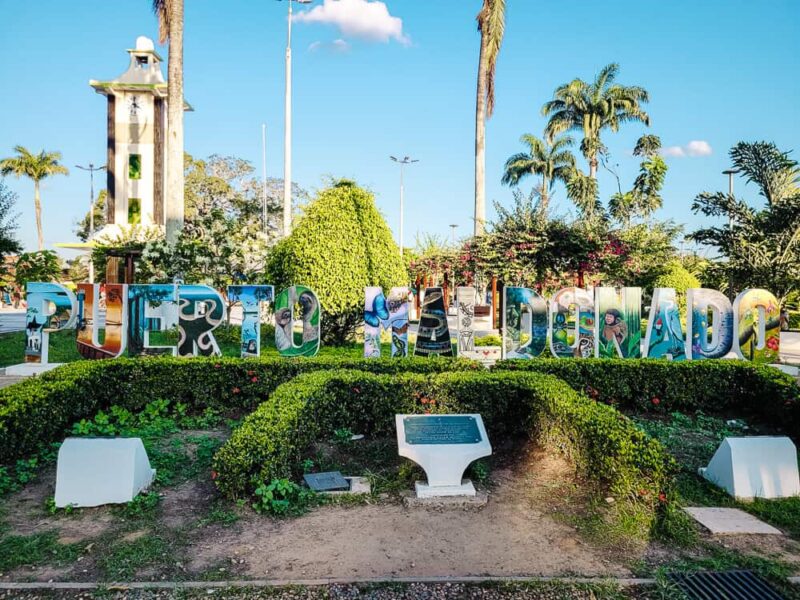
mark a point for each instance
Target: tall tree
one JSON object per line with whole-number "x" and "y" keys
{"x": 761, "y": 245}
{"x": 593, "y": 107}
{"x": 491, "y": 25}
{"x": 645, "y": 197}
{"x": 170, "y": 27}
{"x": 35, "y": 167}
{"x": 552, "y": 161}
{"x": 8, "y": 226}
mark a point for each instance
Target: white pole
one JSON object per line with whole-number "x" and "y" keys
{"x": 264, "y": 172}
{"x": 91, "y": 219}
{"x": 287, "y": 141}
{"x": 401, "y": 209}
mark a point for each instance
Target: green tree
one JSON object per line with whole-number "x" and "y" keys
{"x": 8, "y": 225}
{"x": 677, "y": 277}
{"x": 37, "y": 266}
{"x": 35, "y": 167}
{"x": 491, "y": 25}
{"x": 593, "y": 107}
{"x": 170, "y": 27}
{"x": 340, "y": 245}
{"x": 99, "y": 209}
{"x": 645, "y": 196}
{"x": 552, "y": 161}
{"x": 760, "y": 246}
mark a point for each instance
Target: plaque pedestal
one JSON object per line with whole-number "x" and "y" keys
{"x": 444, "y": 446}
{"x": 428, "y": 491}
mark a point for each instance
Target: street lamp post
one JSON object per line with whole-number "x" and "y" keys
{"x": 91, "y": 168}
{"x": 453, "y": 233}
{"x": 287, "y": 134}
{"x": 406, "y": 160}
{"x": 730, "y": 173}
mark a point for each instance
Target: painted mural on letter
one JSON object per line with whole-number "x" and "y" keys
{"x": 251, "y": 298}
{"x": 200, "y": 310}
{"x": 757, "y": 315}
{"x": 665, "y": 337}
{"x": 297, "y": 343}
{"x": 151, "y": 308}
{"x": 465, "y": 298}
{"x": 379, "y": 314}
{"x": 619, "y": 321}
{"x": 700, "y": 302}
{"x": 433, "y": 334}
{"x": 572, "y": 337}
{"x": 92, "y": 299}
{"x": 524, "y": 323}
{"x": 41, "y": 321}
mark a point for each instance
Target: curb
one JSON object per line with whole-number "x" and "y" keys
{"x": 269, "y": 583}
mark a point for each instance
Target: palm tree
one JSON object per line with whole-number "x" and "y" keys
{"x": 553, "y": 161}
{"x": 36, "y": 167}
{"x": 491, "y": 25}
{"x": 592, "y": 107}
{"x": 170, "y": 27}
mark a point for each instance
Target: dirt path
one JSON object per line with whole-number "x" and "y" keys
{"x": 512, "y": 535}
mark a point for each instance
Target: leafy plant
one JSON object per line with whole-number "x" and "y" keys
{"x": 281, "y": 497}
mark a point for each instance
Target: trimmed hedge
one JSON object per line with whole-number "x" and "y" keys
{"x": 40, "y": 409}
{"x": 606, "y": 447}
{"x": 660, "y": 385}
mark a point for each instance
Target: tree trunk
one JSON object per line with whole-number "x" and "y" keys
{"x": 174, "y": 196}
{"x": 545, "y": 199}
{"x": 37, "y": 207}
{"x": 480, "y": 142}
{"x": 593, "y": 167}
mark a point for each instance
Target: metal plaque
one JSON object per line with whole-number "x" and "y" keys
{"x": 441, "y": 429}
{"x": 325, "y": 482}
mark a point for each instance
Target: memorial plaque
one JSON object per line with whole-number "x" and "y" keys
{"x": 444, "y": 446}
{"x": 441, "y": 429}
{"x": 324, "y": 482}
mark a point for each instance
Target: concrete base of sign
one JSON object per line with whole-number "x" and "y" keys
{"x": 426, "y": 491}
{"x": 476, "y": 502}
{"x": 486, "y": 355}
{"x": 96, "y": 471}
{"x": 358, "y": 485}
{"x": 789, "y": 369}
{"x": 755, "y": 467}
{"x": 730, "y": 521}
{"x": 30, "y": 369}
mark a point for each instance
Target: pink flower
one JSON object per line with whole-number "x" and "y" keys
{"x": 656, "y": 401}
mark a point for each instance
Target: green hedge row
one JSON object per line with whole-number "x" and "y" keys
{"x": 709, "y": 385}
{"x": 606, "y": 447}
{"x": 39, "y": 410}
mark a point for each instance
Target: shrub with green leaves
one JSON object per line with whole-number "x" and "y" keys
{"x": 340, "y": 246}
{"x": 687, "y": 386}
{"x": 614, "y": 455}
{"x": 677, "y": 277}
{"x": 41, "y": 409}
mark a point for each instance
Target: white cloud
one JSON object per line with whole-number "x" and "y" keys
{"x": 692, "y": 149}
{"x": 339, "y": 45}
{"x": 365, "y": 19}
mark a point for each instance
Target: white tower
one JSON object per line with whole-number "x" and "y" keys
{"x": 137, "y": 129}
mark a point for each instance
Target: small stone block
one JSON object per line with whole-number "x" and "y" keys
{"x": 97, "y": 471}
{"x": 326, "y": 482}
{"x": 357, "y": 485}
{"x": 730, "y": 521}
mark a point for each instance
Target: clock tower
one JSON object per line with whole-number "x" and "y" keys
{"x": 137, "y": 133}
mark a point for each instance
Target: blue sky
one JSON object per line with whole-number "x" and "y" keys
{"x": 368, "y": 85}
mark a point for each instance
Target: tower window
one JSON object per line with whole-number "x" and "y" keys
{"x": 134, "y": 166}
{"x": 134, "y": 211}
{"x": 142, "y": 62}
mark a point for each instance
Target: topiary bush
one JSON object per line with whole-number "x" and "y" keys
{"x": 39, "y": 410}
{"x": 605, "y": 446}
{"x": 676, "y": 276}
{"x": 687, "y": 386}
{"x": 340, "y": 246}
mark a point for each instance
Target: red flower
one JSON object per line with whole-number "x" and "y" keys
{"x": 773, "y": 344}
{"x": 236, "y": 390}
{"x": 662, "y": 497}
{"x": 251, "y": 373}
{"x": 217, "y": 365}
{"x": 656, "y": 401}
{"x": 254, "y": 380}
{"x": 642, "y": 493}
{"x": 214, "y": 475}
